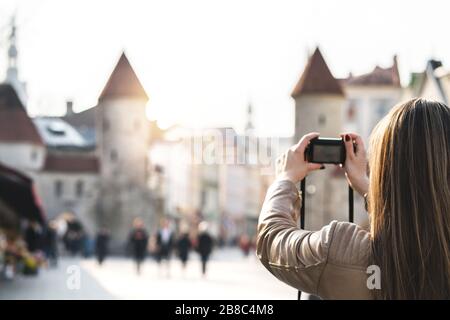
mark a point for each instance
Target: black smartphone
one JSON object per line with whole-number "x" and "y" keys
{"x": 326, "y": 150}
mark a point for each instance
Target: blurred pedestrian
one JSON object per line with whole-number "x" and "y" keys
{"x": 34, "y": 237}
{"x": 88, "y": 244}
{"x": 102, "y": 245}
{"x": 245, "y": 244}
{"x": 137, "y": 242}
{"x": 50, "y": 245}
{"x": 204, "y": 244}
{"x": 164, "y": 245}
{"x": 183, "y": 245}
{"x": 74, "y": 236}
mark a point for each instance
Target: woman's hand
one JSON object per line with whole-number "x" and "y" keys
{"x": 292, "y": 165}
{"x": 356, "y": 163}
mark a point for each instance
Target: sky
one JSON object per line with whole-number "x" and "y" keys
{"x": 203, "y": 61}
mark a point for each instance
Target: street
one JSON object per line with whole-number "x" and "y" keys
{"x": 230, "y": 276}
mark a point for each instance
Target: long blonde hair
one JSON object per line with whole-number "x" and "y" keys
{"x": 409, "y": 201}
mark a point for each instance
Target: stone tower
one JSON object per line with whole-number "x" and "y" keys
{"x": 123, "y": 136}
{"x": 319, "y": 102}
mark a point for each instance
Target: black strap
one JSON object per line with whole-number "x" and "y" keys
{"x": 302, "y": 209}
{"x": 302, "y": 218}
{"x": 350, "y": 204}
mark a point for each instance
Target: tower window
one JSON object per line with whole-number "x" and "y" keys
{"x": 58, "y": 188}
{"x": 322, "y": 119}
{"x": 79, "y": 188}
{"x": 113, "y": 155}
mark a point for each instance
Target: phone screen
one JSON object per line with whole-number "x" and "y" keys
{"x": 327, "y": 153}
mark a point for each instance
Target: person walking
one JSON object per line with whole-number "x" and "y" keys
{"x": 74, "y": 235}
{"x": 245, "y": 244}
{"x": 183, "y": 246}
{"x": 137, "y": 243}
{"x": 164, "y": 245}
{"x": 102, "y": 245}
{"x": 34, "y": 237}
{"x": 51, "y": 243}
{"x": 204, "y": 245}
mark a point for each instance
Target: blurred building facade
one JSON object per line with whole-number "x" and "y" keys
{"x": 208, "y": 175}
{"x": 52, "y": 153}
{"x": 69, "y": 178}
{"x": 120, "y": 133}
{"x": 432, "y": 83}
{"x": 369, "y": 97}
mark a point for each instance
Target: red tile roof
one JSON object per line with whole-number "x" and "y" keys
{"x": 317, "y": 78}
{"x": 378, "y": 77}
{"x": 123, "y": 82}
{"x": 71, "y": 163}
{"x": 15, "y": 124}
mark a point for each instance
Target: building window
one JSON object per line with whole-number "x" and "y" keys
{"x": 322, "y": 120}
{"x": 113, "y": 155}
{"x": 79, "y": 188}
{"x": 58, "y": 188}
{"x": 34, "y": 155}
{"x": 381, "y": 108}
{"x": 351, "y": 110}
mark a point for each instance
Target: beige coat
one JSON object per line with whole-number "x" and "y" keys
{"x": 330, "y": 263}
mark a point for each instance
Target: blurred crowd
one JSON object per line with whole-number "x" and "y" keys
{"x": 39, "y": 245}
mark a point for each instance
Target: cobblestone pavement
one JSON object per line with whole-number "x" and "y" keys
{"x": 230, "y": 276}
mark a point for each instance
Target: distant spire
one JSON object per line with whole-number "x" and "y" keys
{"x": 249, "y": 125}
{"x": 395, "y": 71}
{"x": 12, "y": 72}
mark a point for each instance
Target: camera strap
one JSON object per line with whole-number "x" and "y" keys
{"x": 302, "y": 211}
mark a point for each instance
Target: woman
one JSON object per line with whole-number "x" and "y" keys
{"x": 408, "y": 198}
{"x": 102, "y": 245}
{"x": 205, "y": 244}
{"x": 183, "y": 247}
{"x": 137, "y": 242}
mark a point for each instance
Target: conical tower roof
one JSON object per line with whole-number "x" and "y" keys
{"x": 317, "y": 78}
{"x": 123, "y": 82}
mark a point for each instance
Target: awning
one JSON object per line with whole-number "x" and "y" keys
{"x": 17, "y": 192}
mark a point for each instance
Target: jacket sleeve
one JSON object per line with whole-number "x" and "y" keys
{"x": 296, "y": 257}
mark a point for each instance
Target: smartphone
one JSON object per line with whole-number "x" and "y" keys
{"x": 326, "y": 150}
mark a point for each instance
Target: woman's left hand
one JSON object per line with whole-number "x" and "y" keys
{"x": 356, "y": 163}
{"x": 292, "y": 165}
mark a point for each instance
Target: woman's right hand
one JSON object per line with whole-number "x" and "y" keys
{"x": 356, "y": 163}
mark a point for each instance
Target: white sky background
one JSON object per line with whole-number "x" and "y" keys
{"x": 202, "y": 61}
